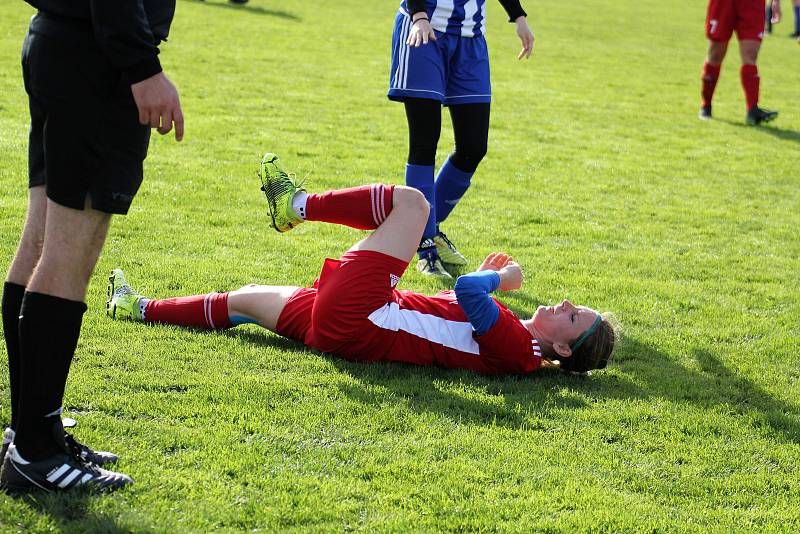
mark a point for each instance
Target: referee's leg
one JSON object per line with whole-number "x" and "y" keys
{"x": 50, "y": 320}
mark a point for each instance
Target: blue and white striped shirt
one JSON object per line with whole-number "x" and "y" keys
{"x": 457, "y": 17}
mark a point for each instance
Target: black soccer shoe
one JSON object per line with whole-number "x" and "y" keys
{"x": 60, "y": 472}
{"x": 705, "y": 113}
{"x": 63, "y": 471}
{"x": 757, "y": 115}
{"x": 96, "y": 457}
{"x": 8, "y": 437}
{"x": 87, "y": 454}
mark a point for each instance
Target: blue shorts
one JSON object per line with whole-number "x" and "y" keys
{"x": 453, "y": 69}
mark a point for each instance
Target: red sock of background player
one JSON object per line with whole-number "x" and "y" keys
{"x": 364, "y": 207}
{"x": 201, "y": 311}
{"x": 750, "y": 83}
{"x": 710, "y": 77}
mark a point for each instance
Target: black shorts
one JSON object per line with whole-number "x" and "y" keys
{"x": 85, "y": 136}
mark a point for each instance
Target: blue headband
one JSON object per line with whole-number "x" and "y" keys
{"x": 589, "y": 331}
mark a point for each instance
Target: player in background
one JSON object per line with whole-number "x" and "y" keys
{"x": 355, "y": 311}
{"x": 439, "y": 57}
{"x": 746, "y": 17}
{"x": 774, "y": 16}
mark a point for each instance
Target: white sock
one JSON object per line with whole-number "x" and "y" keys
{"x": 142, "y": 305}
{"x": 299, "y": 204}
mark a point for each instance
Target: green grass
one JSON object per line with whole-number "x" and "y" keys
{"x": 600, "y": 181}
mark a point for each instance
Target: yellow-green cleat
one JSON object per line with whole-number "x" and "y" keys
{"x": 123, "y": 302}
{"x": 280, "y": 188}
{"x": 447, "y": 251}
{"x": 430, "y": 264}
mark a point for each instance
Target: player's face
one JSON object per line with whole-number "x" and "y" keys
{"x": 563, "y": 323}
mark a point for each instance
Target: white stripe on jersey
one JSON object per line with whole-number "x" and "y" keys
{"x": 468, "y": 27}
{"x": 452, "y": 334}
{"x": 442, "y": 13}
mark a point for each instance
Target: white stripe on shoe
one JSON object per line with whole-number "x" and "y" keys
{"x": 69, "y": 478}
{"x": 55, "y": 475}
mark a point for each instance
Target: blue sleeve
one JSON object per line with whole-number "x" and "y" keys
{"x": 472, "y": 292}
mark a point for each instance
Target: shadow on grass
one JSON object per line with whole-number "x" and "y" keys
{"x": 72, "y": 512}
{"x": 655, "y": 376}
{"x": 523, "y": 399}
{"x": 255, "y": 10}
{"x": 780, "y": 133}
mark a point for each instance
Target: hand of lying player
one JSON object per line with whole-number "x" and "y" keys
{"x": 510, "y": 272}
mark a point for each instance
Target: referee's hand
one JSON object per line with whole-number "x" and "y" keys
{"x": 159, "y": 105}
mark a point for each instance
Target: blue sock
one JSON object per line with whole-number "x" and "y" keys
{"x": 421, "y": 177}
{"x": 797, "y": 19}
{"x": 451, "y": 184}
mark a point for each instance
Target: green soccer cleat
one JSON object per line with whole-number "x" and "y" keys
{"x": 280, "y": 188}
{"x": 447, "y": 251}
{"x": 123, "y": 302}
{"x": 430, "y": 264}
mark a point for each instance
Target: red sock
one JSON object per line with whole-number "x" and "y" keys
{"x": 710, "y": 77}
{"x": 364, "y": 207}
{"x": 202, "y": 311}
{"x": 750, "y": 83}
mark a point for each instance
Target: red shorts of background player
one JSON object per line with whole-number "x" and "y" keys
{"x": 744, "y": 16}
{"x": 333, "y": 316}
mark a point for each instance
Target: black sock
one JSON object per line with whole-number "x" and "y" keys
{"x": 48, "y": 334}
{"x": 12, "y": 302}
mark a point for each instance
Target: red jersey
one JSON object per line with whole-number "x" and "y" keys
{"x": 355, "y": 312}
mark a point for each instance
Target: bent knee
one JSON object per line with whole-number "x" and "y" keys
{"x": 411, "y": 200}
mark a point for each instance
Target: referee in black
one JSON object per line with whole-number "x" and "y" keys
{"x": 95, "y": 89}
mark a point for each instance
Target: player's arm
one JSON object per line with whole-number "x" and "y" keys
{"x": 473, "y": 290}
{"x": 776, "y": 11}
{"x": 473, "y": 295}
{"x": 421, "y": 30}
{"x": 124, "y": 33}
{"x": 518, "y": 16}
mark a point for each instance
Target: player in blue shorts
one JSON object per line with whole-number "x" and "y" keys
{"x": 439, "y": 57}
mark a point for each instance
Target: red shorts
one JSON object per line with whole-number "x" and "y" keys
{"x": 333, "y": 315}
{"x": 745, "y": 16}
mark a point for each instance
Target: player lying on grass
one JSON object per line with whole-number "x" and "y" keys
{"x": 355, "y": 311}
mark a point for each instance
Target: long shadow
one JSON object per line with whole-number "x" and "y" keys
{"x": 653, "y": 375}
{"x": 255, "y": 10}
{"x": 780, "y": 133}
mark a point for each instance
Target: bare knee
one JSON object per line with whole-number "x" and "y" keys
{"x": 412, "y": 201}
{"x": 716, "y": 52}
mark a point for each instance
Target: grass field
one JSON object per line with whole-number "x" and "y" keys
{"x": 599, "y": 179}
